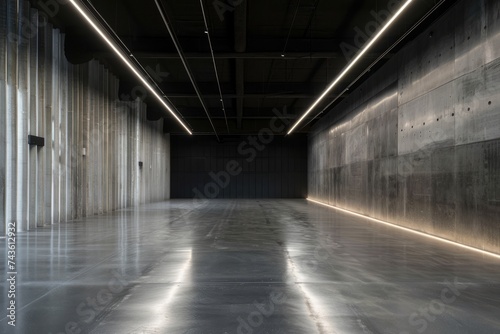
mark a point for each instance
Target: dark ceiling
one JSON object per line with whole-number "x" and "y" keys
{"x": 249, "y": 39}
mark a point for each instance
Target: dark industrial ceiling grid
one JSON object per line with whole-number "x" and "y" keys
{"x": 248, "y": 44}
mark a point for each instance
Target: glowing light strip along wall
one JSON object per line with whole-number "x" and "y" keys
{"x": 120, "y": 54}
{"x": 351, "y": 64}
{"x": 408, "y": 230}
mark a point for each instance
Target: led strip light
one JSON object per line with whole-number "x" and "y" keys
{"x": 408, "y": 230}
{"x": 127, "y": 62}
{"x": 351, "y": 64}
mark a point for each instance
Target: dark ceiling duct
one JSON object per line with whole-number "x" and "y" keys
{"x": 166, "y": 21}
{"x": 207, "y": 31}
{"x": 240, "y": 45}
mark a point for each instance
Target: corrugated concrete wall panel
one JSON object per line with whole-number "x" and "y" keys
{"x": 93, "y": 142}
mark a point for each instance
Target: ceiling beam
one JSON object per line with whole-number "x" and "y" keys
{"x": 240, "y": 89}
{"x": 246, "y": 96}
{"x": 180, "y": 52}
{"x": 240, "y": 46}
{"x": 196, "y": 112}
{"x": 278, "y": 90}
{"x": 202, "y": 126}
{"x": 251, "y": 55}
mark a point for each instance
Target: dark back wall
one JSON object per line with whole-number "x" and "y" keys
{"x": 239, "y": 167}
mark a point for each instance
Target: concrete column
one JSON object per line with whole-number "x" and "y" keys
{"x": 11, "y": 114}
{"x": 98, "y": 139}
{"x": 106, "y": 138}
{"x": 168, "y": 168}
{"x": 56, "y": 126}
{"x": 124, "y": 127}
{"x": 47, "y": 82}
{"x": 89, "y": 161}
{"x": 63, "y": 132}
{"x": 145, "y": 147}
{"x": 136, "y": 191}
{"x": 91, "y": 151}
{"x": 33, "y": 120}
{"x": 114, "y": 143}
{"x": 70, "y": 149}
{"x": 121, "y": 157}
{"x": 83, "y": 128}
{"x": 3, "y": 119}
{"x": 75, "y": 148}
{"x": 41, "y": 129}
{"x": 22, "y": 115}
{"x": 114, "y": 152}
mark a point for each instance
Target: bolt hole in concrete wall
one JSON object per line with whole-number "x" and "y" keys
{"x": 446, "y": 182}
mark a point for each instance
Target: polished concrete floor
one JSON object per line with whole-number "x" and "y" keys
{"x": 246, "y": 266}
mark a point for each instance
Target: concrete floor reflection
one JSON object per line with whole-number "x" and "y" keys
{"x": 246, "y": 266}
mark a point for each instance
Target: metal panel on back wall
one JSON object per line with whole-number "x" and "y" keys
{"x": 277, "y": 171}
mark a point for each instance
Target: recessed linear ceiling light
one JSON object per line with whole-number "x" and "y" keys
{"x": 351, "y": 64}
{"x": 127, "y": 62}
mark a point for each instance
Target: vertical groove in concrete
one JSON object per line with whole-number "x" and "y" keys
{"x": 33, "y": 119}
{"x": 48, "y": 125}
{"x": 93, "y": 142}
{"x": 100, "y": 187}
{"x": 91, "y": 138}
{"x": 3, "y": 125}
{"x": 40, "y": 120}
{"x": 11, "y": 119}
{"x": 55, "y": 125}
{"x": 85, "y": 170}
{"x": 63, "y": 113}
{"x": 22, "y": 116}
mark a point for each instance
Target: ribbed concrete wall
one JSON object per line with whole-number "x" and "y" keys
{"x": 93, "y": 142}
{"x": 419, "y": 143}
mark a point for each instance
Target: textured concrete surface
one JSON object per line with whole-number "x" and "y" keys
{"x": 93, "y": 141}
{"x": 418, "y": 143}
{"x": 247, "y": 266}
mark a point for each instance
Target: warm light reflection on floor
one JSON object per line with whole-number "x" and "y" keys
{"x": 314, "y": 304}
{"x": 166, "y": 305}
{"x": 408, "y": 230}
